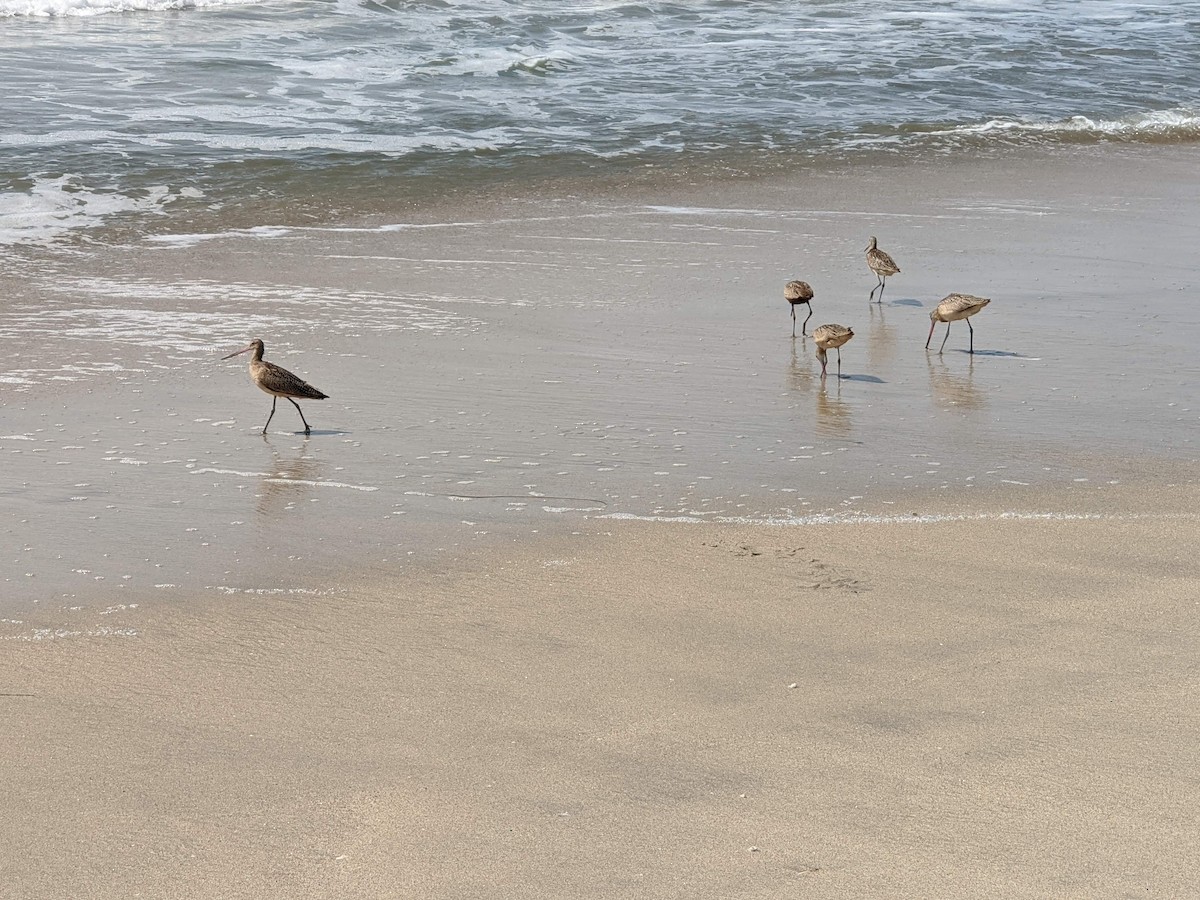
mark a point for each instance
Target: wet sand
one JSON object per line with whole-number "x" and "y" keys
{"x": 497, "y": 367}
{"x": 986, "y": 708}
{"x": 513, "y": 622}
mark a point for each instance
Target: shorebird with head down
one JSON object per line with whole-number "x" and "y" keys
{"x": 829, "y": 337}
{"x": 797, "y": 292}
{"x": 952, "y": 308}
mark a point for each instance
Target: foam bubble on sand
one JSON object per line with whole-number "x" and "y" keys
{"x": 208, "y": 312}
{"x": 239, "y": 474}
{"x": 335, "y": 484}
{"x": 852, "y": 518}
{"x": 184, "y": 241}
{"x": 265, "y": 592}
{"x": 57, "y": 634}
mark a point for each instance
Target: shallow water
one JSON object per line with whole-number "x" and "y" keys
{"x": 545, "y": 362}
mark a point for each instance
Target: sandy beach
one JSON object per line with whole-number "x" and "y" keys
{"x": 586, "y": 584}
{"x": 985, "y": 708}
{"x": 587, "y": 580}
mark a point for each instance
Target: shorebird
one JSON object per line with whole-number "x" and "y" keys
{"x": 882, "y": 265}
{"x": 797, "y": 292}
{"x": 952, "y": 308}
{"x": 278, "y": 382}
{"x": 829, "y": 337}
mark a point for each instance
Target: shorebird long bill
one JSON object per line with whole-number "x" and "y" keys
{"x": 796, "y": 292}
{"x": 952, "y": 308}
{"x": 882, "y": 265}
{"x": 245, "y": 349}
{"x": 827, "y": 337}
{"x": 279, "y": 382}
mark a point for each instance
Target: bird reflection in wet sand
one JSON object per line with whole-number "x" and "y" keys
{"x": 955, "y": 390}
{"x": 881, "y": 340}
{"x": 287, "y": 482}
{"x": 833, "y": 414}
{"x": 800, "y": 375}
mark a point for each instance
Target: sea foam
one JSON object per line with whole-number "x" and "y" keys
{"x": 56, "y": 8}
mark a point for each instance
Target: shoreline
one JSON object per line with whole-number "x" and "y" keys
{"x": 557, "y": 356}
{"x": 100, "y": 611}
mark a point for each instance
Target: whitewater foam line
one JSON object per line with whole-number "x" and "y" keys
{"x": 337, "y": 484}
{"x": 271, "y": 478}
{"x": 927, "y": 519}
{"x": 230, "y": 472}
{"x": 80, "y": 8}
{"x": 58, "y": 634}
{"x": 1182, "y": 123}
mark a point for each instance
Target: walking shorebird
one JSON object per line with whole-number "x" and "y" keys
{"x": 882, "y": 265}
{"x": 952, "y": 308}
{"x": 829, "y": 337}
{"x": 797, "y": 292}
{"x": 278, "y": 382}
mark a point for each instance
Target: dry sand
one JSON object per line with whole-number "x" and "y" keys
{"x": 981, "y": 708}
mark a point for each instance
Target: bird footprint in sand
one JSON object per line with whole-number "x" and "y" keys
{"x": 818, "y": 575}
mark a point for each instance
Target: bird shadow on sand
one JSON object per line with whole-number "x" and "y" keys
{"x": 1000, "y": 354}
{"x": 904, "y": 301}
{"x": 316, "y": 432}
{"x": 870, "y": 379}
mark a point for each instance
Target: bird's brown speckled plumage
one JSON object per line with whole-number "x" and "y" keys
{"x": 278, "y": 382}
{"x": 881, "y": 264}
{"x": 795, "y": 293}
{"x": 952, "y": 308}
{"x": 830, "y": 337}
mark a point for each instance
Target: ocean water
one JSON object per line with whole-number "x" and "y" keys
{"x": 162, "y": 115}
{"x": 535, "y": 253}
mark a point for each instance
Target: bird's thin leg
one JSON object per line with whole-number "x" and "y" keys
{"x": 874, "y": 289}
{"x": 882, "y": 284}
{"x": 273, "y": 399}
{"x": 839, "y": 362}
{"x": 972, "y": 351}
{"x": 932, "y": 325}
{"x": 806, "y": 318}
{"x": 307, "y": 430}
{"x": 793, "y": 320}
{"x": 947, "y": 337}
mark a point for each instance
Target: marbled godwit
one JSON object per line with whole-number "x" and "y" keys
{"x": 278, "y": 382}
{"x": 829, "y": 337}
{"x": 882, "y": 265}
{"x": 952, "y": 308}
{"x": 797, "y": 292}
